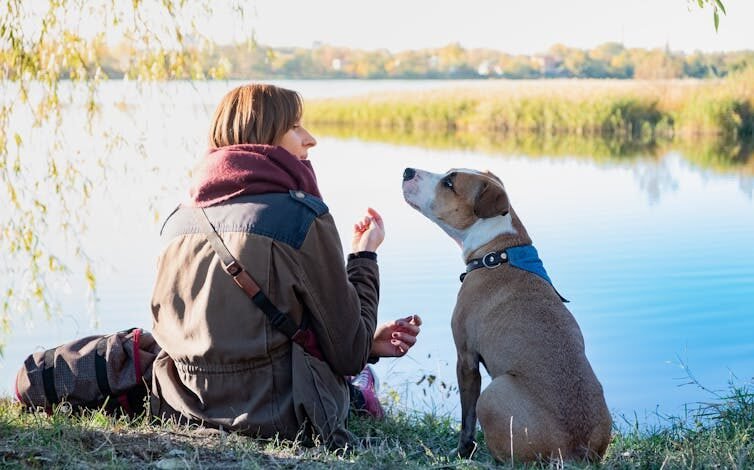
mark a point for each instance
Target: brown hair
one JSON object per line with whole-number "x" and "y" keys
{"x": 254, "y": 114}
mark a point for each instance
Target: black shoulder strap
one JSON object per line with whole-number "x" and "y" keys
{"x": 278, "y": 319}
{"x": 100, "y": 367}
{"x": 48, "y": 377}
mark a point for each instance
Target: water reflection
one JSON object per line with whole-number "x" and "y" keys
{"x": 721, "y": 155}
{"x": 710, "y": 153}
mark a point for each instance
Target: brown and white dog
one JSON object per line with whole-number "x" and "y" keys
{"x": 544, "y": 401}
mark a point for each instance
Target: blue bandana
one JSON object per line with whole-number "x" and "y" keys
{"x": 526, "y": 257}
{"x": 523, "y": 257}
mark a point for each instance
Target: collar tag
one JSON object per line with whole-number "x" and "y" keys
{"x": 494, "y": 259}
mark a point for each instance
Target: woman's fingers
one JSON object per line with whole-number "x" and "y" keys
{"x": 376, "y": 217}
{"x": 362, "y": 225}
{"x": 404, "y": 333}
{"x": 400, "y": 346}
{"x": 408, "y": 325}
{"x": 405, "y": 338}
{"x": 412, "y": 319}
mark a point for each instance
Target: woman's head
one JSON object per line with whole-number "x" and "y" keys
{"x": 255, "y": 114}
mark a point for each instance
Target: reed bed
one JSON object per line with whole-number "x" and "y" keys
{"x": 639, "y": 110}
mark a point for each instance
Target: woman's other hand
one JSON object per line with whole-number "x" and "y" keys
{"x": 395, "y": 338}
{"x": 368, "y": 233}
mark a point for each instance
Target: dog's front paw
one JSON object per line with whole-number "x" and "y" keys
{"x": 466, "y": 449}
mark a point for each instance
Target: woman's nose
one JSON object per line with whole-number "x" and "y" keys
{"x": 310, "y": 141}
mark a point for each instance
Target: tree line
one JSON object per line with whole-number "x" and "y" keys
{"x": 321, "y": 61}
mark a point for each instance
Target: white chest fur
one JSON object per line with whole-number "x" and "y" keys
{"x": 483, "y": 231}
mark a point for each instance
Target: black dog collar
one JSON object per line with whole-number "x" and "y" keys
{"x": 523, "y": 257}
{"x": 491, "y": 260}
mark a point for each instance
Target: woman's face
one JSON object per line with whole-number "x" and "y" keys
{"x": 298, "y": 141}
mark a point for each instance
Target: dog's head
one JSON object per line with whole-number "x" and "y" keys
{"x": 468, "y": 205}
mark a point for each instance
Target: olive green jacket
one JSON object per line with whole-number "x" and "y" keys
{"x": 223, "y": 364}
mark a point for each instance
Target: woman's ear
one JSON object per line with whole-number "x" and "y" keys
{"x": 491, "y": 200}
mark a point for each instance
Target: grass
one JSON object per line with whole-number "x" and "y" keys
{"x": 643, "y": 110}
{"x": 96, "y": 440}
{"x": 716, "y": 435}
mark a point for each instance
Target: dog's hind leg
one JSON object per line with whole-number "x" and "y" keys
{"x": 515, "y": 427}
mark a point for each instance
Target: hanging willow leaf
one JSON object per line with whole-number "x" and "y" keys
{"x": 50, "y": 66}
{"x": 717, "y": 7}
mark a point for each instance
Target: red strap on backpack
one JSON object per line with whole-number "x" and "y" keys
{"x": 137, "y": 357}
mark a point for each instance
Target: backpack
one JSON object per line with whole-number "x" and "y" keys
{"x": 113, "y": 372}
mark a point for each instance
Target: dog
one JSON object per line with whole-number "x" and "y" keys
{"x": 544, "y": 400}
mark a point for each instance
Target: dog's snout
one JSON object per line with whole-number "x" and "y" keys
{"x": 408, "y": 174}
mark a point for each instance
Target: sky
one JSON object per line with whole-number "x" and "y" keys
{"x": 518, "y": 27}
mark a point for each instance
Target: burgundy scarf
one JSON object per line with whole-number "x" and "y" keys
{"x": 236, "y": 170}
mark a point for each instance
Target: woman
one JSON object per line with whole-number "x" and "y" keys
{"x": 223, "y": 363}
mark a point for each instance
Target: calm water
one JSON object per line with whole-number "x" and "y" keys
{"x": 654, "y": 253}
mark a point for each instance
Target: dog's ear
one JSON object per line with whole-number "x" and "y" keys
{"x": 489, "y": 174}
{"x": 491, "y": 200}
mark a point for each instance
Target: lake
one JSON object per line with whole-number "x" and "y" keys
{"x": 654, "y": 251}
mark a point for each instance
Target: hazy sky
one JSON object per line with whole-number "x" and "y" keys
{"x": 521, "y": 26}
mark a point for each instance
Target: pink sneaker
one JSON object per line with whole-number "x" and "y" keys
{"x": 368, "y": 385}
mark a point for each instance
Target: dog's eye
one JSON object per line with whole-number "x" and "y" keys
{"x": 447, "y": 182}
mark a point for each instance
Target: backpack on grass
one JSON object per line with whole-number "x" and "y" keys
{"x": 111, "y": 371}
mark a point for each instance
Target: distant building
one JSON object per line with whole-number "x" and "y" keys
{"x": 548, "y": 65}
{"x": 487, "y": 68}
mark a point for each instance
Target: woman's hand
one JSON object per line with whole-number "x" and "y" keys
{"x": 368, "y": 233}
{"x": 395, "y": 338}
